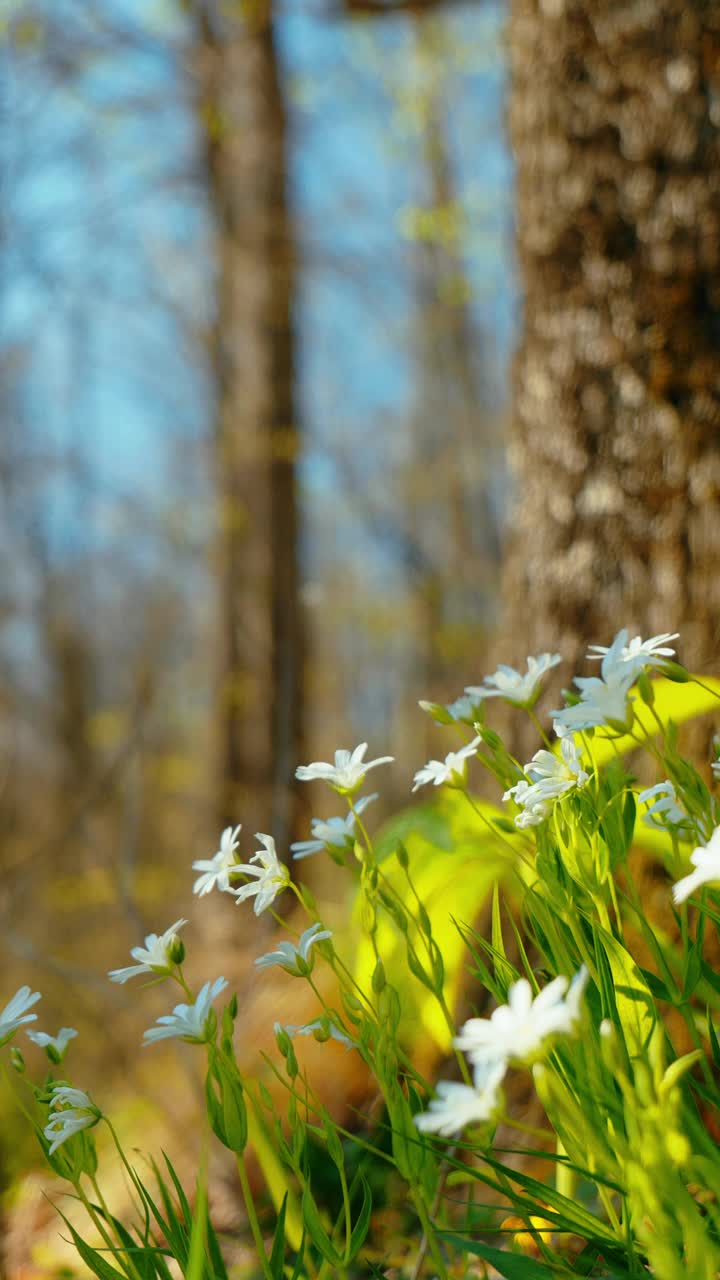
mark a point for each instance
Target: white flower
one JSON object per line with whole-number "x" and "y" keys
{"x": 295, "y": 959}
{"x": 271, "y": 876}
{"x": 462, "y": 709}
{"x": 451, "y": 769}
{"x": 16, "y": 1013}
{"x": 602, "y": 700}
{"x": 706, "y": 861}
{"x": 348, "y": 772}
{"x": 550, "y": 776}
{"x": 154, "y": 957}
{"x": 517, "y": 1031}
{"x": 338, "y": 833}
{"x": 665, "y": 811}
{"x": 188, "y": 1021}
{"x": 533, "y": 810}
{"x": 74, "y": 1111}
{"x": 217, "y": 869}
{"x": 320, "y": 1028}
{"x": 521, "y": 689}
{"x": 57, "y": 1045}
{"x": 715, "y": 766}
{"x": 458, "y": 1105}
{"x": 635, "y": 654}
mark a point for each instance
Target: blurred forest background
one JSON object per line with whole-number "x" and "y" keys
{"x": 265, "y": 267}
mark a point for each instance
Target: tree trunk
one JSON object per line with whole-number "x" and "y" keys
{"x": 260, "y": 693}
{"x": 614, "y": 115}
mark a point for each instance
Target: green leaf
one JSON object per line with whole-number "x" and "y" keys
{"x": 195, "y": 1269}
{"x": 633, "y": 1000}
{"x": 92, "y": 1258}
{"x": 513, "y": 1266}
{"x": 715, "y": 1047}
{"x": 360, "y": 1230}
{"x": 316, "y": 1230}
{"x": 277, "y": 1255}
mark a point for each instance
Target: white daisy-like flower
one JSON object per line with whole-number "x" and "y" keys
{"x": 452, "y": 769}
{"x": 73, "y": 1111}
{"x": 217, "y": 870}
{"x": 295, "y": 960}
{"x": 516, "y": 1032}
{"x": 320, "y": 1028}
{"x": 458, "y": 1105}
{"x": 336, "y": 833}
{"x": 605, "y": 700}
{"x": 346, "y": 774}
{"x": 462, "y": 709}
{"x": 550, "y": 776}
{"x": 155, "y": 957}
{"x": 270, "y": 877}
{"x": 522, "y": 689}
{"x": 55, "y": 1046}
{"x": 665, "y": 809}
{"x": 706, "y": 861}
{"x": 636, "y": 654}
{"x": 188, "y": 1021}
{"x": 15, "y": 1014}
{"x": 533, "y": 811}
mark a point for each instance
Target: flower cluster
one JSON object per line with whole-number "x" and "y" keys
{"x": 73, "y": 1111}
{"x": 605, "y": 700}
{"x": 267, "y": 874}
{"x": 517, "y": 1033}
{"x": 550, "y": 776}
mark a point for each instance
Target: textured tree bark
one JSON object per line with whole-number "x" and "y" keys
{"x": 614, "y": 120}
{"x": 260, "y": 693}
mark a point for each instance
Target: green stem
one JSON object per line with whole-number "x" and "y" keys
{"x": 429, "y": 1233}
{"x": 96, "y": 1218}
{"x": 253, "y": 1219}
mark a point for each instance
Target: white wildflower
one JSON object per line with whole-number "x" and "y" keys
{"x": 452, "y": 769}
{"x": 517, "y": 1031}
{"x": 335, "y": 833}
{"x": 73, "y": 1111}
{"x": 54, "y": 1046}
{"x": 295, "y": 960}
{"x": 706, "y": 861}
{"x": 550, "y": 776}
{"x": 15, "y": 1013}
{"x": 270, "y": 877}
{"x": 155, "y": 957}
{"x": 188, "y": 1021}
{"x": 321, "y": 1028}
{"x": 217, "y": 870}
{"x": 522, "y": 689}
{"x": 346, "y": 774}
{"x": 665, "y": 809}
{"x": 458, "y": 1105}
{"x": 635, "y": 654}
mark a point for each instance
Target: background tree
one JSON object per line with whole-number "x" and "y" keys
{"x": 614, "y": 121}
{"x": 260, "y": 695}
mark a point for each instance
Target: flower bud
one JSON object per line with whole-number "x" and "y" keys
{"x": 674, "y": 671}
{"x": 378, "y": 978}
{"x": 645, "y": 689}
{"x": 440, "y": 714}
{"x": 283, "y": 1040}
